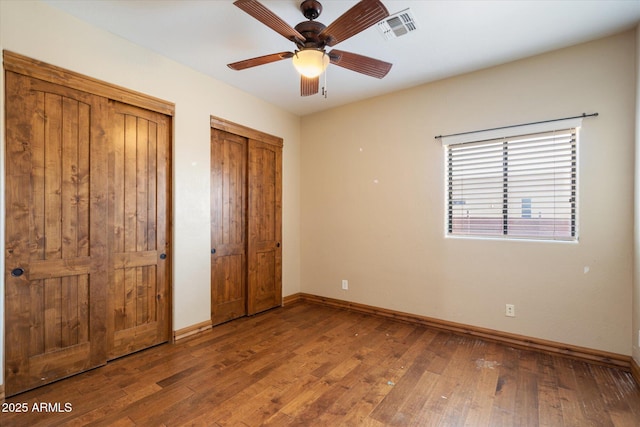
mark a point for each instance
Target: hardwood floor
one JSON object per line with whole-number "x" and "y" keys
{"x": 306, "y": 364}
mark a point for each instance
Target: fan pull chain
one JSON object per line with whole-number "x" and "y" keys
{"x": 324, "y": 87}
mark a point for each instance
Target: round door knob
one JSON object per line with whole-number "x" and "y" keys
{"x": 163, "y": 256}
{"x": 17, "y": 272}
{"x": 213, "y": 250}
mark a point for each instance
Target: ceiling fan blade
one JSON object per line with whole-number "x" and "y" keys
{"x": 357, "y": 19}
{"x": 360, "y": 63}
{"x": 260, "y": 60}
{"x": 270, "y": 19}
{"x": 309, "y": 85}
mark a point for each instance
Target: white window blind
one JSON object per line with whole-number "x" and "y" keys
{"x": 520, "y": 186}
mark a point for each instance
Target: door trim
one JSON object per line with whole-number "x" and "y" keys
{"x": 50, "y": 73}
{"x": 244, "y": 131}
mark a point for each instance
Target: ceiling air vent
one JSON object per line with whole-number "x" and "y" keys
{"x": 397, "y": 25}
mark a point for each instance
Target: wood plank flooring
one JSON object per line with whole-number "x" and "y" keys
{"x": 310, "y": 365}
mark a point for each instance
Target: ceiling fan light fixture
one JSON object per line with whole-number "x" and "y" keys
{"x": 310, "y": 62}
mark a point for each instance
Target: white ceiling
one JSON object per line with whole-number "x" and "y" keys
{"x": 453, "y": 37}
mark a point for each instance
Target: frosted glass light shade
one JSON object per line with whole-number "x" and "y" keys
{"x": 310, "y": 62}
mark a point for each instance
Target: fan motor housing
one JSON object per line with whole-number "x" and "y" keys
{"x": 310, "y": 30}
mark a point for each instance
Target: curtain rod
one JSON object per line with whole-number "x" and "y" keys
{"x": 515, "y": 126}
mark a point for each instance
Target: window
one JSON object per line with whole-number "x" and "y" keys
{"x": 520, "y": 186}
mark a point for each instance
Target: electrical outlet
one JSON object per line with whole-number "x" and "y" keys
{"x": 345, "y": 285}
{"x": 510, "y": 310}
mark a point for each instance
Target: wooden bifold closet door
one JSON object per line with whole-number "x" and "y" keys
{"x": 264, "y": 224}
{"x": 246, "y": 230}
{"x": 87, "y": 208}
{"x": 137, "y": 306}
{"x": 56, "y": 244}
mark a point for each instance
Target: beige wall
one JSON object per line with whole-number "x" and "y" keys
{"x": 41, "y": 32}
{"x": 373, "y": 201}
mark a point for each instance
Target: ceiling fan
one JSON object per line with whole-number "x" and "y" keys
{"x": 311, "y": 37}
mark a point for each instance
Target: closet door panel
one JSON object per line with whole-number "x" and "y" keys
{"x": 55, "y": 245}
{"x": 264, "y": 225}
{"x": 138, "y": 313}
{"x": 228, "y": 226}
